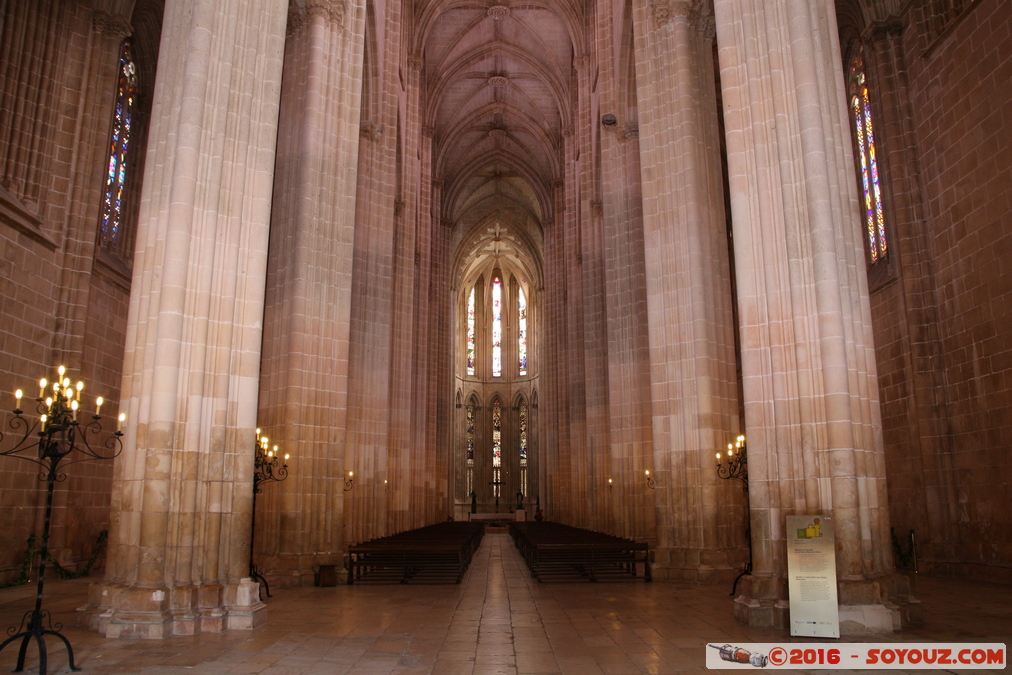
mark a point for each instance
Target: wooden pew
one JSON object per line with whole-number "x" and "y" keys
{"x": 438, "y": 553}
{"x": 555, "y": 552}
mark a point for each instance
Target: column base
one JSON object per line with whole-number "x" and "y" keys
{"x": 289, "y": 570}
{"x": 702, "y": 566}
{"x": 866, "y": 606}
{"x": 117, "y": 610}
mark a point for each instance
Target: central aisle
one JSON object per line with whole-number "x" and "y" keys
{"x": 497, "y": 621}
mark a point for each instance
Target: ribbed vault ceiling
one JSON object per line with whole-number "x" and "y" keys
{"x": 497, "y": 96}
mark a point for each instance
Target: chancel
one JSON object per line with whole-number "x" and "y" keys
{"x": 456, "y": 258}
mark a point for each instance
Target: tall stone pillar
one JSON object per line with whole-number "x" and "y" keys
{"x": 629, "y": 501}
{"x": 378, "y": 216}
{"x": 181, "y": 499}
{"x": 304, "y": 386}
{"x": 811, "y": 393}
{"x": 690, "y": 325}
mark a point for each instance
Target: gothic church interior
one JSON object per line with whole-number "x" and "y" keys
{"x": 448, "y": 253}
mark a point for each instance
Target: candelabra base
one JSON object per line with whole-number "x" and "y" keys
{"x": 255, "y": 575}
{"x": 34, "y": 624}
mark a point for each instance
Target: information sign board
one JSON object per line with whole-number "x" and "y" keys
{"x": 811, "y": 576}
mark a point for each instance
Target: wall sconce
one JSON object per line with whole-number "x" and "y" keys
{"x": 650, "y": 481}
{"x": 610, "y": 484}
{"x": 265, "y": 470}
{"x": 349, "y": 482}
{"x": 737, "y": 464}
{"x": 737, "y": 469}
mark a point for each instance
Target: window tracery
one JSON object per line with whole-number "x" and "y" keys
{"x": 868, "y": 167}
{"x": 110, "y": 233}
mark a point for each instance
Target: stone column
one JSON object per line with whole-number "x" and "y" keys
{"x": 690, "y": 325}
{"x": 181, "y": 498}
{"x": 630, "y": 502}
{"x": 304, "y": 385}
{"x": 811, "y": 392}
{"x": 374, "y": 286}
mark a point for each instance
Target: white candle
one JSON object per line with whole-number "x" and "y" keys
{"x": 122, "y": 418}
{"x": 98, "y": 406}
{"x": 17, "y": 395}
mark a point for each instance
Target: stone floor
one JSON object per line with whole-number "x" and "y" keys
{"x": 497, "y": 621}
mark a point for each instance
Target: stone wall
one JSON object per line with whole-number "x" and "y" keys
{"x": 60, "y": 304}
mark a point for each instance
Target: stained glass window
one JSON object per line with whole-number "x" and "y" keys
{"x": 496, "y": 446}
{"x": 523, "y": 447}
{"x": 470, "y": 433}
{"x": 496, "y": 327}
{"x": 871, "y": 189}
{"x": 470, "y": 333}
{"x": 116, "y": 170}
{"x": 470, "y": 448}
{"x": 522, "y": 322}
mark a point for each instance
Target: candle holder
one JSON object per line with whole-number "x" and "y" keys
{"x": 265, "y": 470}
{"x": 56, "y": 438}
{"x": 349, "y": 481}
{"x": 650, "y": 480}
{"x": 737, "y": 469}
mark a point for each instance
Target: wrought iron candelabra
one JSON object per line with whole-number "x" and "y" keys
{"x": 56, "y": 438}
{"x": 737, "y": 469}
{"x": 265, "y": 470}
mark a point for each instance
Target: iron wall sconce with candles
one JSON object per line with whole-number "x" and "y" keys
{"x": 737, "y": 469}
{"x": 56, "y": 436}
{"x": 265, "y": 470}
{"x": 349, "y": 482}
{"x": 737, "y": 464}
{"x": 650, "y": 480}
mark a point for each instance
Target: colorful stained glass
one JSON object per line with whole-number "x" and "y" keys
{"x": 469, "y": 486}
{"x": 470, "y": 333}
{"x": 470, "y": 433}
{"x": 523, "y": 447}
{"x": 496, "y": 446}
{"x": 523, "y": 433}
{"x": 116, "y": 170}
{"x": 871, "y": 188}
{"x": 496, "y": 327}
{"x": 522, "y": 322}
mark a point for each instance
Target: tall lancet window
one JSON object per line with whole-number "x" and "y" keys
{"x": 496, "y": 326}
{"x": 496, "y": 447}
{"x": 522, "y": 340}
{"x": 470, "y": 333}
{"x": 523, "y": 447}
{"x": 111, "y": 235}
{"x": 470, "y": 448}
{"x": 864, "y": 134}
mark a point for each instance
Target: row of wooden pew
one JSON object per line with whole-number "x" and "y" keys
{"x": 556, "y": 552}
{"x": 437, "y": 553}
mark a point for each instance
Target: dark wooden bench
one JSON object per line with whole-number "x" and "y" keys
{"x": 434, "y": 554}
{"x": 556, "y": 552}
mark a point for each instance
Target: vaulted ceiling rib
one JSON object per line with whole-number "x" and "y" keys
{"x": 497, "y": 80}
